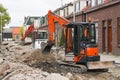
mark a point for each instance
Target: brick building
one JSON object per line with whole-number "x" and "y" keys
{"x": 106, "y": 17}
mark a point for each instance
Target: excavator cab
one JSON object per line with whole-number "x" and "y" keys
{"x": 83, "y": 40}
{"x": 84, "y": 46}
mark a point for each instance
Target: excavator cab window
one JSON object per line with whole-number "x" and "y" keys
{"x": 87, "y": 33}
{"x": 41, "y": 35}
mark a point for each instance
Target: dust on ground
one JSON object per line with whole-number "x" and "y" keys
{"x": 25, "y": 63}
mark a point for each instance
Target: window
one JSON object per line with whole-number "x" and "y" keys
{"x": 64, "y": 11}
{"x": 96, "y": 27}
{"x": 100, "y": 1}
{"x": 67, "y": 11}
{"x": 87, "y": 33}
{"x": 93, "y": 3}
{"x": 42, "y": 35}
{"x": 58, "y": 12}
{"x": 77, "y": 6}
{"x": 96, "y": 2}
{"x": 118, "y": 30}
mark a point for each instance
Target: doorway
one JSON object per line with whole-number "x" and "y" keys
{"x": 110, "y": 36}
{"x": 104, "y": 26}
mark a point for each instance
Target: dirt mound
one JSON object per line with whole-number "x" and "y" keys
{"x": 36, "y": 56}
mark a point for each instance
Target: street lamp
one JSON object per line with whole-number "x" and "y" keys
{"x": 61, "y": 3}
{"x": 1, "y": 26}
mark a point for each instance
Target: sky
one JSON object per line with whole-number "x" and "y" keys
{"x": 18, "y": 9}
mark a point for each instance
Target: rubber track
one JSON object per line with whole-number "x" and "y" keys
{"x": 73, "y": 68}
{"x": 60, "y": 67}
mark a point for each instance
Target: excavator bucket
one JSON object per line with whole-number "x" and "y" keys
{"x": 46, "y": 47}
{"x": 100, "y": 65}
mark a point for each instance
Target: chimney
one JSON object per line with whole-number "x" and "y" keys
{"x": 87, "y": 3}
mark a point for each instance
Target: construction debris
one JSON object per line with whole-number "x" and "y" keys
{"x": 25, "y": 63}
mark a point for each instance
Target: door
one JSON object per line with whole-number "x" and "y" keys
{"x": 109, "y": 35}
{"x": 103, "y": 39}
{"x": 104, "y": 35}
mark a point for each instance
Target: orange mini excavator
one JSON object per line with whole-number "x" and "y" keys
{"x": 29, "y": 30}
{"x": 81, "y": 50}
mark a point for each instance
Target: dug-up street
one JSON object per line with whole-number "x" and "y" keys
{"x": 17, "y": 63}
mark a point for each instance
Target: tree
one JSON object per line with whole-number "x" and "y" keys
{"x": 21, "y": 31}
{"x": 4, "y": 16}
{"x": 62, "y": 39}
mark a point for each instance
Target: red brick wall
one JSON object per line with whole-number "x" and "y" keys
{"x": 107, "y": 13}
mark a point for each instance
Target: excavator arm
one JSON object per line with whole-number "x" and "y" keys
{"x": 29, "y": 30}
{"x": 51, "y": 30}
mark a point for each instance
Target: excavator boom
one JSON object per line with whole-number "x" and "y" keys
{"x": 51, "y": 24}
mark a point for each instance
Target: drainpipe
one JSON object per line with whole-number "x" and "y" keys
{"x": 84, "y": 16}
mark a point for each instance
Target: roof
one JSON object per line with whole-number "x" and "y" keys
{"x": 16, "y": 30}
{"x": 7, "y": 30}
{"x": 61, "y": 8}
{"x": 110, "y": 3}
{"x": 86, "y": 8}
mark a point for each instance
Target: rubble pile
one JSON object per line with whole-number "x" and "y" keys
{"x": 37, "y": 59}
{"x": 18, "y": 63}
{"x": 17, "y": 71}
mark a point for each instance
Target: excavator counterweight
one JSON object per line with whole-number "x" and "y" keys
{"x": 100, "y": 64}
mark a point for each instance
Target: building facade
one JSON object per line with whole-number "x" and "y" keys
{"x": 106, "y": 16}
{"x": 7, "y": 34}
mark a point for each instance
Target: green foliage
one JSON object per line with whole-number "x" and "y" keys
{"x": 4, "y": 16}
{"x": 62, "y": 40}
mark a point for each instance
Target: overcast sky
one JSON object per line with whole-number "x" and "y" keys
{"x": 18, "y": 9}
